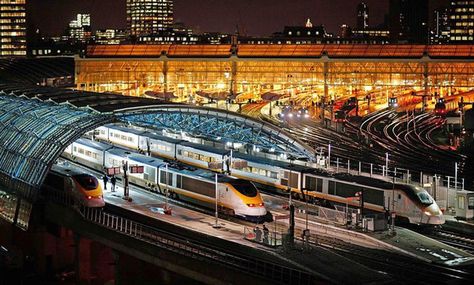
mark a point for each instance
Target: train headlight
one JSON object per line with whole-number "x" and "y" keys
{"x": 428, "y": 213}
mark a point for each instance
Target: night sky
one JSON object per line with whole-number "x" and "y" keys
{"x": 255, "y": 17}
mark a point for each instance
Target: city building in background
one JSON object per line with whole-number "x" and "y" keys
{"x": 345, "y": 32}
{"x": 12, "y": 28}
{"x": 409, "y": 21}
{"x": 363, "y": 33}
{"x": 80, "y": 28}
{"x": 149, "y": 17}
{"x": 362, "y": 16}
{"x": 110, "y": 36}
{"x": 440, "y": 31}
{"x": 177, "y": 33}
{"x": 461, "y": 21}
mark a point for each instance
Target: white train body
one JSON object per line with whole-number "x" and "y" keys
{"x": 404, "y": 200}
{"x": 236, "y": 197}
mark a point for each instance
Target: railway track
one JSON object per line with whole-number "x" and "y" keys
{"x": 461, "y": 241}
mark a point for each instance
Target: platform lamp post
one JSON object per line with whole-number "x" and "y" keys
{"x": 291, "y": 230}
{"x": 126, "y": 190}
{"x": 166, "y": 208}
{"x": 216, "y": 224}
{"x": 456, "y": 176}
{"x": 329, "y": 155}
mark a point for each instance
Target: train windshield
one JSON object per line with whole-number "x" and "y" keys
{"x": 245, "y": 187}
{"x": 425, "y": 198}
{"x": 88, "y": 182}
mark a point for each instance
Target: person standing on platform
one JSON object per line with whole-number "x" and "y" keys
{"x": 113, "y": 180}
{"x": 258, "y": 234}
{"x": 105, "y": 181}
{"x": 265, "y": 234}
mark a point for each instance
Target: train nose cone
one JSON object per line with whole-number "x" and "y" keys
{"x": 435, "y": 216}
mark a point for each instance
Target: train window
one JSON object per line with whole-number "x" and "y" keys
{"x": 88, "y": 182}
{"x": 425, "y": 198}
{"x": 332, "y": 188}
{"x": 198, "y": 186}
{"x": 178, "y": 181}
{"x": 314, "y": 184}
{"x": 461, "y": 202}
{"x": 163, "y": 178}
{"x": 244, "y": 187}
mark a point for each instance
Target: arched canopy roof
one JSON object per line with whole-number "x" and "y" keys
{"x": 34, "y": 133}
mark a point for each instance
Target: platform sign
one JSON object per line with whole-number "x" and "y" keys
{"x": 136, "y": 169}
{"x": 113, "y": 171}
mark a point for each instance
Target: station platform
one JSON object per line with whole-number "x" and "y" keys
{"x": 424, "y": 248}
{"x": 405, "y": 241}
{"x": 324, "y": 263}
{"x": 459, "y": 225}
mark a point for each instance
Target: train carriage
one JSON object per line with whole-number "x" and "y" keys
{"x": 236, "y": 197}
{"x": 412, "y": 203}
{"x": 87, "y": 152}
{"x": 127, "y": 137}
{"x": 201, "y": 156}
{"x": 158, "y": 145}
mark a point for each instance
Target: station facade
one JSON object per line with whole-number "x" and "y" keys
{"x": 321, "y": 72}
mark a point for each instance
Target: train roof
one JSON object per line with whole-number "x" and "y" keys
{"x": 125, "y": 129}
{"x": 205, "y": 147}
{"x": 93, "y": 144}
{"x": 146, "y": 160}
{"x": 159, "y": 137}
{"x": 272, "y": 162}
{"x": 118, "y": 151}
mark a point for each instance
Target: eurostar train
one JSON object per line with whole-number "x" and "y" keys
{"x": 236, "y": 197}
{"x": 82, "y": 187}
{"x": 412, "y": 204}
